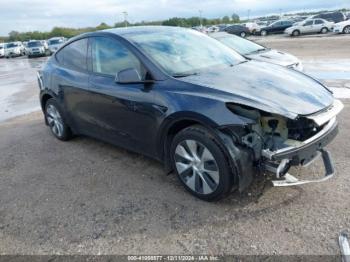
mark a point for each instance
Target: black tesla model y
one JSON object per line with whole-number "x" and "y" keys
{"x": 185, "y": 99}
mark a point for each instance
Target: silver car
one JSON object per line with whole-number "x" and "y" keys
{"x": 258, "y": 52}
{"x": 55, "y": 43}
{"x": 310, "y": 26}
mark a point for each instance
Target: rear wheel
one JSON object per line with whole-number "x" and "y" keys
{"x": 55, "y": 120}
{"x": 243, "y": 34}
{"x": 200, "y": 163}
{"x": 263, "y": 32}
{"x": 346, "y": 29}
{"x": 324, "y": 30}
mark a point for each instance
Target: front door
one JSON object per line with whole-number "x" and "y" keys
{"x": 123, "y": 114}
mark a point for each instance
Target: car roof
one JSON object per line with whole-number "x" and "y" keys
{"x": 123, "y": 31}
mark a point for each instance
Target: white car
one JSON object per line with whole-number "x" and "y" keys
{"x": 36, "y": 48}
{"x": 257, "y": 52}
{"x": 2, "y": 50}
{"x": 13, "y": 49}
{"x": 55, "y": 43}
{"x": 342, "y": 27}
{"x": 310, "y": 26}
{"x": 253, "y": 27}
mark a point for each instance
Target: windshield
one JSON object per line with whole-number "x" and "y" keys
{"x": 34, "y": 44}
{"x": 10, "y": 45}
{"x": 55, "y": 42}
{"x": 241, "y": 45}
{"x": 183, "y": 51}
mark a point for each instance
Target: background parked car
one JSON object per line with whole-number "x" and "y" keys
{"x": 13, "y": 49}
{"x": 213, "y": 29}
{"x": 277, "y": 27}
{"x": 240, "y": 30}
{"x": 342, "y": 27}
{"x": 54, "y": 43}
{"x": 253, "y": 27}
{"x": 2, "y": 50}
{"x": 36, "y": 48}
{"x": 335, "y": 17}
{"x": 258, "y": 52}
{"x": 310, "y": 26}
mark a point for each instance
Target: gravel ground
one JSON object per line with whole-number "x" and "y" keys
{"x": 87, "y": 197}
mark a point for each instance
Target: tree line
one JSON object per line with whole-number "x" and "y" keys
{"x": 70, "y": 32}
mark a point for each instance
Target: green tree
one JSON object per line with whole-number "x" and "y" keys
{"x": 225, "y": 19}
{"x": 235, "y": 18}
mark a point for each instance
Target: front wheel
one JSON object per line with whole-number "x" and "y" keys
{"x": 263, "y": 33}
{"x": 201, "y": 164}
{"x": 243, "y": 34}
{"x": 346, "y": 29}
{"x": 55, "y": 120}
{"x": 296, "y": 33}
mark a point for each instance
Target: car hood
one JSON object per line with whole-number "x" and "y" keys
{"x": 265, "y": 86}
{"x": 346, "y": 22}
{"x": 275, "y": 57}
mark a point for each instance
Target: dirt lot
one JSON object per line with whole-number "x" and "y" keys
{"x": 87, "y": 197}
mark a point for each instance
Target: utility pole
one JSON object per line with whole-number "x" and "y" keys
{"x": 200, "y": 17}
{"x": 248, "y": 14}
{"x": 125, "y": 18}
{"x": 280, "y": 12}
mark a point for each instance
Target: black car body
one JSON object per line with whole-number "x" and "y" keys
{"x": 239, "y": 116}
{"x": 239, "y": 30}
{"x": 335, "y": 17}
{"x": 276, "y": 27}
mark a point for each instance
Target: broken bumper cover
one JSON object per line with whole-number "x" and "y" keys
{"x": 303, "y": 154}
{"x": 289, "y": 180}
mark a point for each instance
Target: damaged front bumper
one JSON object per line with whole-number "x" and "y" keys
{"x": 303, "y": 154}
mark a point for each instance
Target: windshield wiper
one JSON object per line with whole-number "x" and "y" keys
{"x": 184, "y": 75}
{"x": 259, "y": 50}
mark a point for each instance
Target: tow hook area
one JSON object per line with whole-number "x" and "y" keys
{"x": 286, "y": 179}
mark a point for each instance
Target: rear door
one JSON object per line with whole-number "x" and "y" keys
{"x": 71, "y": 80}
{"x": 276, "y": 27}
{"x": 318, "y": 25}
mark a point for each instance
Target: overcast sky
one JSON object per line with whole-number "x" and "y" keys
{"x": 29, "y": 15}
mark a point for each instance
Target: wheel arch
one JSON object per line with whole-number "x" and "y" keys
{"x": 44, "y": 98}
{"x": 174, "y": 124}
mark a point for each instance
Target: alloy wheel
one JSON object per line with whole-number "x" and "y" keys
{"x": 54, "y": 120}
{"x": 197, "y": 167}
{"x": 347, "y": 30}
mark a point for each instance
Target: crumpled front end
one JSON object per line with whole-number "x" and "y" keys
{"x": 277, "y": 142}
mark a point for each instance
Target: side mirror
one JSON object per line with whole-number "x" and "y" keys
{"x": 128, "y": 76}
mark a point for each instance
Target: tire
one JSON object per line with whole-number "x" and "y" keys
{"x": 324, "y": 30}
{"x": 56, "y": 121}
{"x": 243, "y": 34}
{"x": 296, "y": 33}
{"x": 346, "y": 29}
{"x": 263, "y": 33}
{"x": 201, "y": 164}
